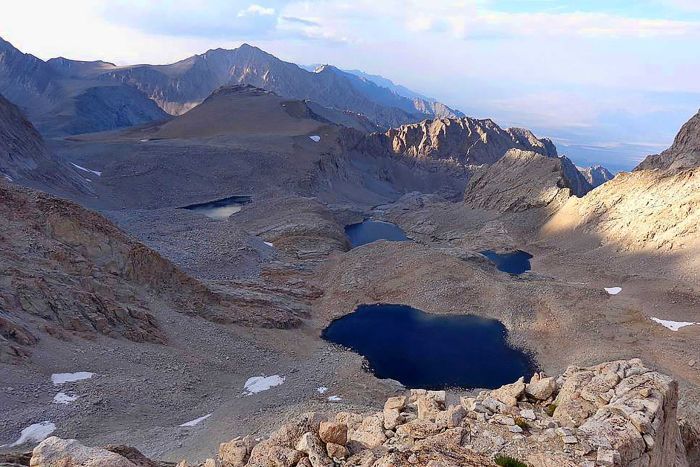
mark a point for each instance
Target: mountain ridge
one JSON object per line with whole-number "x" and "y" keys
{"x": 54, "y": 92}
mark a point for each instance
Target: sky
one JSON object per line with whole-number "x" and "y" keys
{"x": 610, "y": 81}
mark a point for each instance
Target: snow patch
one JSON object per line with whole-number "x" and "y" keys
{"x": 322, "y": 389}
{"x": 258, "y": 384}
{"x": 268, "y": 244}
{"x": 86, "y": 170}
{"x": 196, "y": 421}
{"x": 60, "y": 378}
{"x": 315, "y": 138}
{"x": 672, "y": 325}
{"x": 37, "y": 433}
{"x": 63, "y": 398}
{"x": 613, "y": 290}
{"x": 335, "y": 399}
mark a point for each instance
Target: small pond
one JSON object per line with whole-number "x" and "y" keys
{"x": 514, "y": 262}
{"x": 369, "y": 231}
{"x": 221, "y": 208}
{"x": 422, "y": 350}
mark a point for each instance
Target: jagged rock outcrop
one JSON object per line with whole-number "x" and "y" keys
{"x": 466, "y": 141}
{"x": 596, "y": 175}
{"x": 684, "y": 153}
{"x": 25, "y": 159}
{"x": 617, "y": 413}
{"x": 523, "y": 180}
{"x": 652, "y": 208}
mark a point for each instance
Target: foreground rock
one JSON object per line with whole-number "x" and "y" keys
{"x": 57, "y": 452}
{"x": 613, "y": 414}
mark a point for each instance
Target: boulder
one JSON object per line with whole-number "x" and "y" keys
{"x": 269, "y": 453}
{"x": 398, "y": 403}
{"x": 541, "y": 387}
{"x": 419, "y": 428}
{"x": 369, "y": 435}
{"x": 510, "y": 393}
{"x": 311, "y": 445}
{"x": 392, "y": 411}
{"x": 134, "y": 455}
{"x": 236, "y": 452}
{"x": 428, "y": 408}
{"x": 332, "y": 432}
{"x": 57, "y": 452}
{"x": 336, "y": 451}
{"x": 451, "y": 417}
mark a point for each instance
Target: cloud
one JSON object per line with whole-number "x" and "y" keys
{"x": 218, "y": 19}
{"x": 256, "y": 10}
{"x": 685, "y": 5}
{"x": 305, "y": 22}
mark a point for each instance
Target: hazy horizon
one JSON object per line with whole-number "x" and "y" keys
{"x": 609, "y": 82}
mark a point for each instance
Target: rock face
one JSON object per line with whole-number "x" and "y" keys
{"x": 663, "y": 191}
{"x": 466, "y": 141}
{"x": 596, "y": 175}
{"x": 523, "y": 180}
{"x": 24, "y": 157}
{"x": 683, "y": 154}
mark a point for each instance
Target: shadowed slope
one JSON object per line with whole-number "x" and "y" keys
{"x": 25, "y": 159}
{"x": 522, "y": 180}
{"x": 655, "y": 207}
{"x": 242, "y": 111}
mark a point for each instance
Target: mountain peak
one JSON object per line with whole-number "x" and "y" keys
{"x": 683, "y": 153}
{"x": 326, "y": 69}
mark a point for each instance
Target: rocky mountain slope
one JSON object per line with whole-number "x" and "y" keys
{"x": 242, "y": 110}
{"x": 684, "y": 152}
{"x": 64, "y": 96}
{"x": 61, "y": 97}
{"x": 596, "y": 175}
{"x": 651, "y": 208}
{"x": 465, "y": 141}
{"x": 614, "y": 414}
{"x": 522, "y": 180}
{"x": 182, "y": 85}
{"x": 67, "y": 271}
{"x": 24, "y": 157}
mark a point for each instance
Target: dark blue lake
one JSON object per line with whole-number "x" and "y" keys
{"x": 515, "y": 262}
{"x": 369, "y": 231}
{"x": 221, "y": 208}
{"x": 428, "y": 351}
